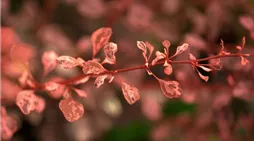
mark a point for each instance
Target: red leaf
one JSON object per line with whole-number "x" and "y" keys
{"x": 168, "y": 70}
{"x": 49, "y": 61}
{"x": 100, "y": 38}
{"x": 170, "y": 89}
{"x": 67, "y": 62}
{"x": 93, "y": 67}
{"x": 72, "y": 110}
{"x": 26, "y": 101}
{"x": 109, "y": 50}
{"x": 131, "y": 93}
{"x": 100, "y": 80}
{"x": 80, "y": 92}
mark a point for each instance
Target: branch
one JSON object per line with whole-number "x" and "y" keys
{"x": 113, "y": 72}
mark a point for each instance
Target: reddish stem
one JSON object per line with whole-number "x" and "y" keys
{"x": 76, "y": 78}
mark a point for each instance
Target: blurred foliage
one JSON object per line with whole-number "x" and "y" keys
{"x": 133, "y": 131}
{"x": 176, "y": 107}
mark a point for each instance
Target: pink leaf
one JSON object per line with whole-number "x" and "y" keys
{"x": 72, "y": 110}
{"x": 67, "y": 62}
{"x": 3, "y": 111}
{"x": 205, "y": 78}
{"x": 244, "y": 61}
{"x": 166, "y": 43}
{"x": 247, "y": 22}
{"x": 80, "y": 62}
{"x": 10, "y": 37}
{"x": 170, "y": 89}
{"x": 40, "y": 105}
{"x": 87, "y": 8}
{"x": 195, "y": 40}
{"x": 244, "y": 40}
{"x": 159, "y": 56}
{"x": 82, "y": 81}
{"x": 80, "y": 92}
{"x": 100, "y": 80}
{"x": 100, "y": 38}
{"x": 23, "y": 78}
{"x": 57, "y": 93}
{"x": 151, "y": 108}
{"x": 222, "y": 51}
{"x": 109, "y": 50}
{"x": 181, "y": 49}
{"x": 149, "y": 72}
{"x": 84, "y": 44}
{"x": 49, "y": 61}
{"x": 30, "y": 83}
{"x": 8, "y": 126}
{"x": 168, "y": 70}
{"x": 205, "y": 68}
{"x": 93, "y": 67}
{"x": 67, "y": 94}
{"x": 51, "y": 86}
{"x": 151, "y": 49}
{"x": 111, "y": 79}
{"x": 26, "y": 101}
{"x": 239, "y": 48}
{"x": 216, "y": 63}
{"x": 230, "y": 80}
{"x": 251, "y": 34}
{"x": 222, "y": 45}
{"x": 166, "y": 63}
{"x": 192, "y": 57}
{"x": 131, "y": 93}
{"x": 141, "y": 45}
